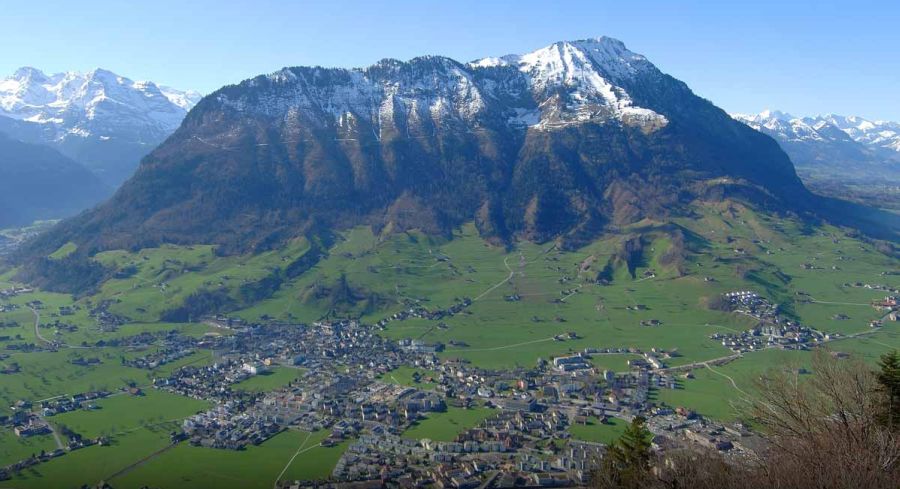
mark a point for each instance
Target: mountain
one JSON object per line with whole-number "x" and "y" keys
{"x": 37, "y": 182}
{"x": 105, "y": 121}
{"x": 567, "y": 142}
{"x": 849, "y": 147}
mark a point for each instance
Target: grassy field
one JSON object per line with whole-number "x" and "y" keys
{"x": 156, "y": 279}
{"x": 596, "y": 431}
{"x": 712, "y": 392}
{"x": 50, "y": 374}
{"x": 405, "y": 376}
{"x": 184, "y": 466}
{"x": 64, "y": 251}
{"x": 257, "y": 467}
{"x": 125, "y": 413}
{"x": 446, "y": 425}
{"x": 274, "y": 378}
{"x": 93, "y": 464}
{"x": 13, "y": 448}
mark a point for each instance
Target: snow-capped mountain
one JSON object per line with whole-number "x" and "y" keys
{"x": 557, "y": 143}
{"x": 879, "y": 135}
{"x": 564, "y": 83}
{"x": 838, "y": 143}
{"x": 103, "y": 120}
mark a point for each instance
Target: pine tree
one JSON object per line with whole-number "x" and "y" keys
{"x": 889, "y": 379}
{"x": 627, "y": 461}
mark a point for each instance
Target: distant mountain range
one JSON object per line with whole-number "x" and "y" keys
{"x": 102, "y": 120}
{"x": 564, "y": 142}
{"x": 38, "y": 183}
{"x": 834, "y": 146}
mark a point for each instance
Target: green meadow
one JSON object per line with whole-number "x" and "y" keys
{"x": 598, "y": 432}
{"x": 272, "y": 379}
{"x": 444, "y": 426}
{"x": 125, "y": 413}
{"x": 256, "y": 467}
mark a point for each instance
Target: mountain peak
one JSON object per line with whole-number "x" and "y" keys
{"x": 100, "y": 118}
{"x": 568, "y": 82}
{"x": 563, "y": 141}
{"x": 28, "y": 73}
{"x": 69, "y": 101}
{"x": 611, "y": 55}
{"x": 776, "y": 114}
{"x": 831, "y": 139}
{"x": 106, "y": 76}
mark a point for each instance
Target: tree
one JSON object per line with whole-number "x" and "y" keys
{"x": 827, "y": 430}
{"x": 824, "y": 431}
{"x": 627, "y": 461}
{"x": 889, "y": 381}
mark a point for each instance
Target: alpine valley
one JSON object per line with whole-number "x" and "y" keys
{"x": 837, "y": 155}
{"x": 100, "y": 121}
{"x": 473, "y": 273}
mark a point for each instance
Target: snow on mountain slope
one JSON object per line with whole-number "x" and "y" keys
{"x": 564, "y": 83}
{"x": 877, "y": 136}
{"x": 105, "y": 121}
{"x": 83, "y": 104}
{"x": 844, "y": 146}
{"x": 558, "y": 143}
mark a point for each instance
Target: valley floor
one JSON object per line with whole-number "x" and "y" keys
{"x": 470, "y": 303}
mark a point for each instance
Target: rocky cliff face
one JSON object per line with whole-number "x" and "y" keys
{"x": 565, "y": 142}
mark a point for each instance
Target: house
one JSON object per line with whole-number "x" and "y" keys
{"x": 254, "y": 368}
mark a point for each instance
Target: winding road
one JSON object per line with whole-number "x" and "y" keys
{"x": 37, "y": 328}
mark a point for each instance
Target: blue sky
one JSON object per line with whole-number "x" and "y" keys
{"x": 804, "y": 57}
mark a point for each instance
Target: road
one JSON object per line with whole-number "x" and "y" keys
{"x": 300, "y": 450}
{"x": 37, "y": 327}
{"x": 56, "y": 438}
{"x": 730, "y": 379}
{"x": 735, "y": 356}
{"x": 130, "y": 467}
{"x": 504, "y": 347}
{"x": 498, "y": 284}
{"x": 37, "y": 333}
{"x": 40, "y": 337}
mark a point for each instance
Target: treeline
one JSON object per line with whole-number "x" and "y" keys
{"x": 75, "y": 274}
{"x": 265, "y": 288}
{"x": 205, "y": 302}
{"x": 198, "y": 304}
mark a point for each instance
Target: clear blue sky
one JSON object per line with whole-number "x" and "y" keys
{"x": 804, "y": 57}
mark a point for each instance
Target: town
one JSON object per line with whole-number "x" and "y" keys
{"x": 345, "y": 386}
